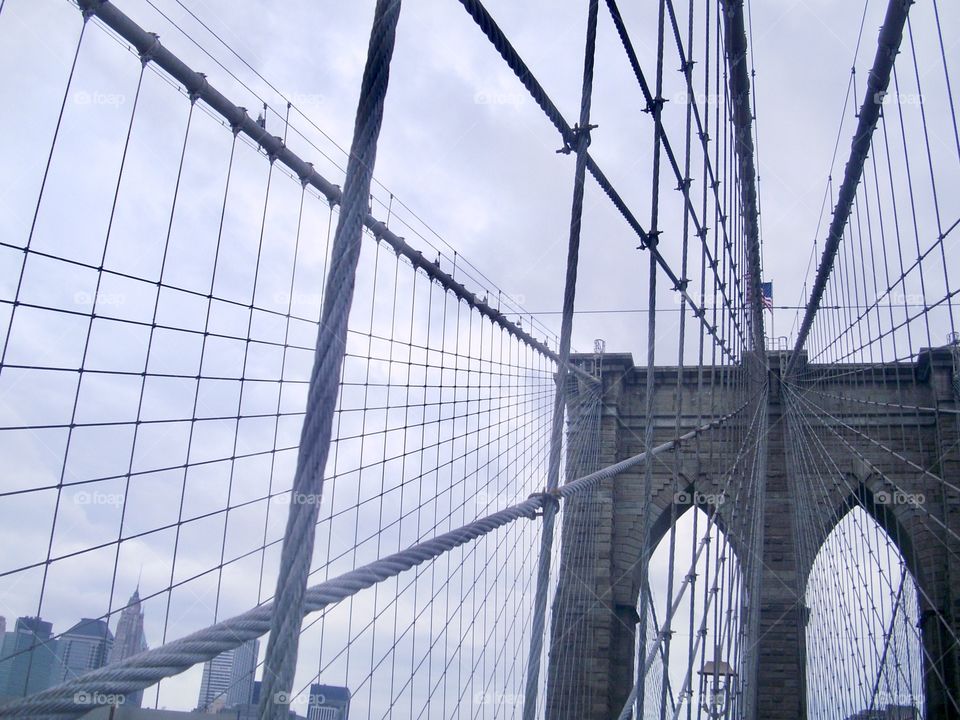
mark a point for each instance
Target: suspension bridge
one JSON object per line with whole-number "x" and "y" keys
{"x": 257, "y": 414}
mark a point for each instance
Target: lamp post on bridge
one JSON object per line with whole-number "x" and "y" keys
{"x": 717, "y": 681}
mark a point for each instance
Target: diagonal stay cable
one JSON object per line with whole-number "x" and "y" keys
{"x": 700, "y": 229}
{"x": 499, "y": 40}
{"x": 582, "y": 141}
{"x": 141, "y": 671}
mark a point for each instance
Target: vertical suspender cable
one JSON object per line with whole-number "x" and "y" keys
{"x": 655, "y": 108}
{"x": 687, "y": 70}
{"x": 582, "y": 140}
{"x": 281, "y": 657}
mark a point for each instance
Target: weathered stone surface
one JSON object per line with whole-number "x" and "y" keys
{"x": 594, "y": 620}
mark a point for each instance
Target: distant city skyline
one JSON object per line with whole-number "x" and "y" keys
{"x": 34, "y": 658}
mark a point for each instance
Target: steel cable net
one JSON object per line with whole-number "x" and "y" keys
{"x": 870, "y": 403}
{"x": 155, "y": 370}
{"x": 696, "y": 615}
{"x": 156, "y": 358}
{"x": 689, "y": 684}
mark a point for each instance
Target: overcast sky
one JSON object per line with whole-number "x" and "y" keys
{"x": 462, "y": 147}
{"x": 466, "y": 149}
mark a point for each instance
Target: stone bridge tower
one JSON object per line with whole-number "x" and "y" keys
{"x": 595, "y": 616}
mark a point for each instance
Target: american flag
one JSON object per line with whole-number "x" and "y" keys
{"x": 766, "y": 292}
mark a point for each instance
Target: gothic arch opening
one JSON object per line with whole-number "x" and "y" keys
{"x": 863, "y": 644}
{"x": 702, "y": 606}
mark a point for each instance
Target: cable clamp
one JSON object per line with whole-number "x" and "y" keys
{"x": 655, "y": 105}
{"x": 547, "y": 497}
{"x": 195, "y": 94}
{"x": 650, "y": 240}
{"x": 274, "y": 154}
{"x": 88, "y": 8}
{"x": 148, "y": 54}
{"x": 572, "y": 143}
{"x": 305, "y": 178}
{"x": 236, "y": 125}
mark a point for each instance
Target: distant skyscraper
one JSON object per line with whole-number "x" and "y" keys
{"x": 328, "y": 702}
{"x": 244, "y": 668}
{"x": 215, "y": 680}
{"x": 86, "y": 646}
{"x": 228, "y": 678}
{"x": 4, "y": 666}
{"x": 130, "y": 639}
{"x": 28, "y": 657}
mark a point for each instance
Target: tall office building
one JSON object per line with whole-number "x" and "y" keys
{"x": 28, "y": 658}
{"x": 228, "y": 678}
{"x": 4, "y": 666}
{"x": 84, "y": 647}
{"x": 328, "y": 702}
{"x": 129, "y": 639}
